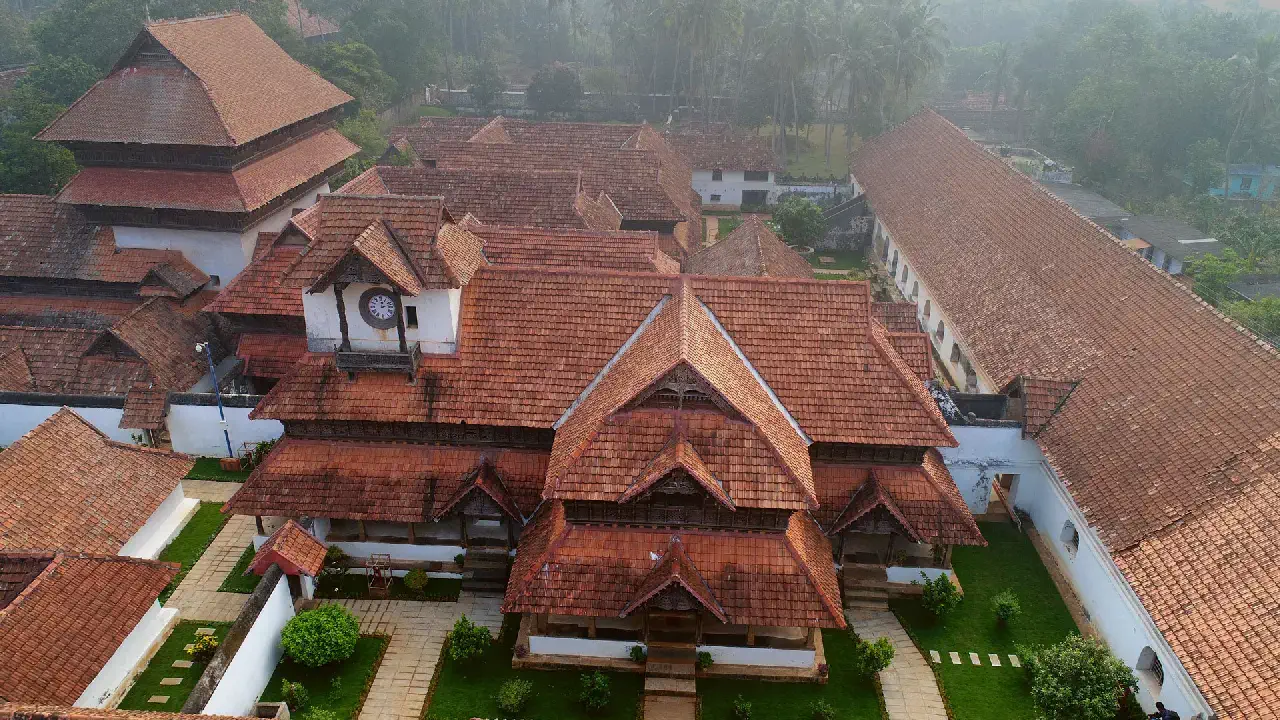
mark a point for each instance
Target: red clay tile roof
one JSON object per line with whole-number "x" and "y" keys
{"x": 59, "y": 633}
{"x": 924, "y": 498}
{"x": 309, "y": 24}
{"x": 896, "y": 317}
{"x": 67, "y": 486}
{"x": 145, "y": 408}
{"x": 60, "y": 360}
{"x": 916, "y": 350}
{"x": 751, "y": 249}
{"x": 599, "y": 213}
{"x": 378, "y": 246}
{"x": 675, "y": 568}
{"x": 628, "y": 251}
{"x": 721, "y": 147}
{"x": 100, "y": 310}
{"x": 242, "y": 190}
{"x": 1042, "y": 399}
{"x": 263, "y": 288}
{"x": 678, "y": 454}
{"x": 1173, "y": 398}
{"x": 483, "y": 479}
{"x": 392, "y": 482}
{"x": 157, "y": 102}
{"x": 779, "y": 579}
{"x": 270, "y": 355}
{"x": 165, "y": 339}
{"x": 15, "y": 371}
{"x": 531, "y": 341}
{"x": 40, "y": 238}
{"x": 291, "y": 547}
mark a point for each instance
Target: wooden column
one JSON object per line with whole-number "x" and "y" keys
{"x": 751, "y": 636}
{"x": 412, "y": 538}
{"x": 360, "y": 530}
{"x": 342, "y": 315}
{"x": 808, "y": 638}
{"x": 462, "y": 529}
{"x": 591, "y": 627}
{"x": 257, "y": 522}
{"x": 404, "y": 345}
{"x": 697, "y": 635}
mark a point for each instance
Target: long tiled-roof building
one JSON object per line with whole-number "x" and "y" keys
{"x": 1157, "y": 418}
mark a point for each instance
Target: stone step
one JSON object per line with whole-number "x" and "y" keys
{"x": 484, "y": 586}
{"x": 672, "y": 654}
{"x": 668, "y": 670}
{"x": 669, "y": 707}
{"x": 678, "y": 687}
{"x": 486, "y": 573}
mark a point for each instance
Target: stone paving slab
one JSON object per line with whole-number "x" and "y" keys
{"x": 973, "y": 658}
{"x": 209, "y": 490}
{"x": 197, "y": 597}
{"x": 934, "y": 656}
{"x": 182, "y": 664}
{"x": 910, "y": 689}
{"x": 955, "y": 657}
{"x": 1014, "y": 661}
{"x": 665, "y": 707}
{"x": 170, "y": 681}
{"x": 158, "y": 699}
{"x": 994, "y": 658}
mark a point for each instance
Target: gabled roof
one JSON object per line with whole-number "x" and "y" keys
{"x": 165, "y": 339}
{"x": 676, "y": 569}
{"x": 59, "y": 360}
{"x": 679, "y": 454}
{"x": 182, "y": 82}
{"x": 65, "y": 485}
{"x": 59, "y": 632}
{"x": 484, "y": 479}
{"x": 295, "y": 550}
{"x": 897, "y": 317}
{"x": 264, "y": 287}
{"x": 145, "y": 408}
{"x": 751, "y": 249}
{"x": 721, "y": 147}
{"x": 270, "y": 355}
{"x": 626, "y": 250}
{"x": 245, "y": 189}
{"x": 377, "y": 244}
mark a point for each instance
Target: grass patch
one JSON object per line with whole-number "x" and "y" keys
{"x": 207, "y": 468}
{"x": 462, "y": 695}
{"x": 1009, "y": 561}
{"x": 356, "y": 587}
{"x": 844, "y": 259}
{"x": 191, "y": 543}
{"x": 237, "y": 581}
{"x": 161, "y": 666}
{"x": 852, "y": 697}
{"x": 851, "y": 275}
{"x": 805, "y": 156}
{"x": 339, "y": 687}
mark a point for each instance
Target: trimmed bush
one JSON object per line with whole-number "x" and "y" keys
{"x": 638, "y": 654}
{"x": 295, "y": 696}
{"x": 319, "y": 713}
{"x": 468, "y": 641}
{"x": 869, "y": 657}
{"x": 741, "y": 708}
{"x": 940, "y": 595}
{"x": 1006, "y": 606}
{"x": 514, "y": 695}
{"x": 416, "y": 579}
{"x": 822, "y": 710}
{"x": 327, "y": 634}
{"x": 203, "y": 648}
{"x": 705, "y": 660}
{"x": 595, "y": 691}
{"x": 1077, "y": 679}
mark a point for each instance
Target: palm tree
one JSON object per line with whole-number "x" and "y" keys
{"x": 1255, "y": 95}
{"x": 999, "y": 72}
{"x": 915, "y": 38}
{"x": 703, "y": 23}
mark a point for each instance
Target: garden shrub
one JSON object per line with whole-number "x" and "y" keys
{"x": 203, "y": 648}
{"x": 741, "y": 708}
{"x": 295, "y": 696}
{"x": 940, "y": 595}
{"x": 705, "y": 660}
{"x": 800, "y": 220}
{"x": 1077, "y": 679}
{"x": 595, "y": 691}
{"x": 260, "y": 451}
{"x": 468, "y": 641}
{"x": 1006, "y": 606}
{"x": 638, "y": 654}
{"x": 870, "y": 657}
{"x": 416, "y": 579}
{"x": 822, "y": 710}
{"x": 313, "y": 638}
{"x": 459, "y": 559}
{"x": 335, "y": 563}
{"x": 319, "y": 713}
{"x": 514, "y": 695}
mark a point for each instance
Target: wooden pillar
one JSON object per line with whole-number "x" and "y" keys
{"x": 808, "y": 637}
{"x": 404, "y": 346}
{"x": 257, "y": 522}
{"x": 946, "y": 558}
{"x": 412, "y": 538}
{"x": 697, "y": 635}
{"x": 342, "y": 315}
{"x": 888, "y": 553}
{"x": 751, "y": 636}
{"x": 462, "y": 528}
{"x": 591, "y": 627}
{"x": 360, "y": 530}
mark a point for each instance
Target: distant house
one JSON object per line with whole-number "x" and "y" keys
{"x": 1251, "y": 180}
{"x": 1167, "y": 242}
{"x": 1256, "y": 287}
{"x": 1086, "y": 202}
{"x": 730, "y": 167}
{"x": 752, "y": 249}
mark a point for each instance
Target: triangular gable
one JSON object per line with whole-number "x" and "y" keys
{"x": 865, "y": 500}
{"x": 377, "y": 245}
{"x": 15, "y": 371}
{"x": 108, "y": 344}
{"x": 676, "y": 570}
{"x": 493, "y": 132}
{"x": 678, "y": 455}
{"x": 484, "y": 479}
{"x": 295, "y": 550}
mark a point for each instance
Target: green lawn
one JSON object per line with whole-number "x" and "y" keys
{"x": 355, "y": 587}
{"x": 806, "y": 155}
{"x": 237, "y": 581}
{"x": 844, "y": 260}
{"x": 191, "y": 543}
{"x": 147, "y": 684}
{"x": 207, "y": 468}
{"x": 1009, "y": 561}
{"x": 339, "y": 687}
{"x": 853, "y": 698}
{"x": 463, "y": 695}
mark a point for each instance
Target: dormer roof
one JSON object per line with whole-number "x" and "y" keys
{"x": 676, "y": 570}
{"x": 679, "y": 454}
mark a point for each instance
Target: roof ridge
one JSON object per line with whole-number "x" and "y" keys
{"x": 908, "y": 378}
{"x": 802, "y": 561}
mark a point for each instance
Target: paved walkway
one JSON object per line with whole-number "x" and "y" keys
{"x": 197, "y": 597}
{"x": 417, "y": 631}
{"x": 209, "y": 490}
{"x": 910, "y": 689}
{"x": 713, "y": 229}
{"x": 661, "y": 707}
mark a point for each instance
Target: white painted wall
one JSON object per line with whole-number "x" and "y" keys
{"x": 771, "y": 657}
{"x": 437, "y": 331}
{"x": 903, "y": 575}
{"x": 730, "y": 187}
{"x": 985, "y": 452}
{"x": 586, "y": 647}
{"x": 113, "y": 679}
{"x": 162, "y": 526}
{"x": 247, "y": 674}
{"x": 397, "y": 551}
{"x": 195, "y": 429}
{"x": 223, "y": 254}
{"x": 18, "y": 420}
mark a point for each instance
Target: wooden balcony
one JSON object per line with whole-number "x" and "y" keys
{"x": 379, "y": 361}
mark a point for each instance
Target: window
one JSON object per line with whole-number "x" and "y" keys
{"x": 715, "y": 198}
{"x": 893, "y": 267}
{"x": 756, "y": 176}
{"x": 717, "y": 175}
{"x": 942, "y": 330}
{"x": 1150, "y": 671}
{"x": 410, "y": 316}
{"x": 927, "y": 308}
{"x": 904, "y": 273}
{"x": 215, "y": 281}
{"x": 1070, "y": 538}
{"x": 915, "y": 289}
{"x": 1246, "y": 183}
{"x": 955, "y": 352}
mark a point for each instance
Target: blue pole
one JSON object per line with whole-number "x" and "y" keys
{"x": 208, "y": 353}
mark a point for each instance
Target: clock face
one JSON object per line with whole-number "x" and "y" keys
{"x": 379, "y": 308}
{"x": 382, "y": 307}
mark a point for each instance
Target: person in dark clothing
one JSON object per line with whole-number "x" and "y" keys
{"x": 1163, "y": 713}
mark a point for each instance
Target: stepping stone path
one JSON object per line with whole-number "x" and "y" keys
{"x": 934, "y": 656}
{"x": 182, "y": 664}
{"x": 826, "y": 260}
{"x": 955, "y": 658}
{"x": 158, "y": 699}
{"x": 1014, "y": 661}
{"x": 204, "y": 631}
{"x": 171, "y": 681}
{"x": 188, "y": 647}
{"x": 974, "y": 658}
{"x": 995, "y": 660}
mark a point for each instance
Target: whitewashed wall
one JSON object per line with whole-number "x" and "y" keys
{"x": 585, "y": 647}
{"x": 397, "y": 551}
{"x": 730, "y": 187}
{"x": 113, "y": 679}
{"x": 903, "y": 575}
{"x": 247, "y": 674}
{"x": 771, "y": 657}
{"x": 195, "y": 429}
{"x": 18, "y": 420}
{"x": 985, "y": 452}
{"x": 437, "y": 331}
{"x": 162, "y": 526}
